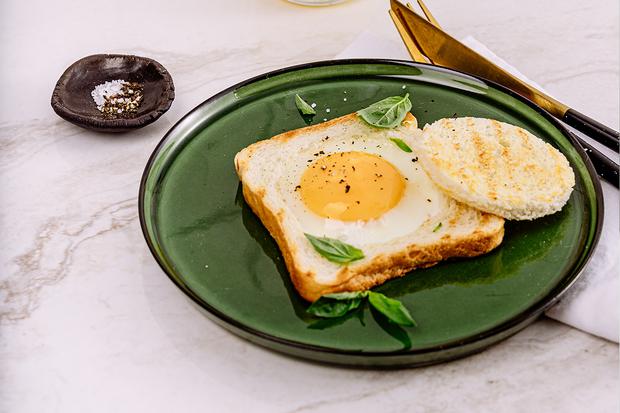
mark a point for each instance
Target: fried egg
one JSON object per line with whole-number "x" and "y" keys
{"x": 361, "y": 189}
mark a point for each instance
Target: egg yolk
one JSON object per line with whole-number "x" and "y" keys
{"x": 351, "y": 186}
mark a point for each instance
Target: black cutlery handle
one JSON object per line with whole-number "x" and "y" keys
{"x": 605, "y": 167}
{"x": 597, "y": 131}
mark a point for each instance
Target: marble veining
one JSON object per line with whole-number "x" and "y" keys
{"x": 51, "y": 254}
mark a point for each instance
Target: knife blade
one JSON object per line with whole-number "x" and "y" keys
{"x": 444, "y": 50}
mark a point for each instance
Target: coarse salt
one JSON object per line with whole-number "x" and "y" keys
{"x": 116, "y": 97}
{"x": 106, "y": 90}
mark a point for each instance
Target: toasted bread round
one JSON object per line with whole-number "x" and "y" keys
{"x": 496, "y": 167}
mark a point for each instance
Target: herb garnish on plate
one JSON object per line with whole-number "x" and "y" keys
{"x": 339, "y": 304}
{"x": 401, "y": 144}
{"x": 387, "y": 113}
{"x": 335, "y": 250}
{"x": 304, "y": 107}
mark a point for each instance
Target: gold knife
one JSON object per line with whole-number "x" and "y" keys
{"x": 444, "y": 50}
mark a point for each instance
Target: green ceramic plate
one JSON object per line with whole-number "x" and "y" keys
{"x": 214, "y": 248}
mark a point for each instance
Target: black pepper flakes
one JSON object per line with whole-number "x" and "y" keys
{"x": 347, "y": 188}
{"x": 125, "y": 103}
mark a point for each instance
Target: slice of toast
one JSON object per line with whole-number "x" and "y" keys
{"x": 394, "y": 244}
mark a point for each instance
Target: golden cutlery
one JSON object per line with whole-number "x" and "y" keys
{"x": 444, "y": 50}
{"x": 426, "y": 38}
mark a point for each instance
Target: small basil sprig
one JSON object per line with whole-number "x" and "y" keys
{"x": 394, "y": 310}
{"x": 334, "y": 250}
{"x": 335, "y": 305}
{"x": 387, "y": 113}
{"x": 303, "y": 107}
{"x": 401, "y": 144}
{"x": 338, "y": 304}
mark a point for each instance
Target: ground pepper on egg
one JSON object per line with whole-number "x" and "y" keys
{"x": 345, "y": 186}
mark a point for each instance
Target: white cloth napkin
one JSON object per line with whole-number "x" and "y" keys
{"x": 592, "y": 304}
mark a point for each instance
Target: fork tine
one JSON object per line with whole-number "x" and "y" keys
{"x": 427, "y": 13}
{"x": 412, "y": 48}
{"x": 429, "y": 17}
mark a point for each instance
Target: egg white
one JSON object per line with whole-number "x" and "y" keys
{"x": 421, "y": 200}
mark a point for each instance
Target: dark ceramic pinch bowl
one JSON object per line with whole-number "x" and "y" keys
{"x": 72, "y": 99}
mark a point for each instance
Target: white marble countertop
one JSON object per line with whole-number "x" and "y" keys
{"x": 88, "y": 321}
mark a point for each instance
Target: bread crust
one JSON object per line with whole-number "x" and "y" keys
{"x": 380, "y": 268}
{"x": 241, "y": 162}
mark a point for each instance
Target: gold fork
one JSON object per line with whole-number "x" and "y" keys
{"x": 427, "y": 13}
{"x": 412, "y": 48}
{"x": 467, "y": 60}
{"x": 408, "y": 37}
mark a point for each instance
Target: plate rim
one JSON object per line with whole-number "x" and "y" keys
{"x": 524, "y": 318}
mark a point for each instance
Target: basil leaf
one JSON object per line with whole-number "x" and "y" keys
{"x": 437, "y": 227}
{"x": 401, "y": 144}
{"x": 387, "y": 113}
{"x": 334, "y": 250}
{"x": 335, "y": 305}
{"x": 303, "y": 107}
{"x": 347, "y": 295}
{"x": 394, "y": 310}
